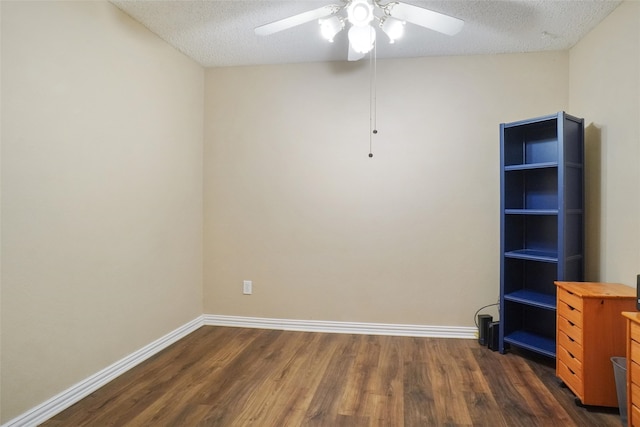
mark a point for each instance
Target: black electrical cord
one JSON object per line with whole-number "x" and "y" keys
{"x": 475, "y": 316}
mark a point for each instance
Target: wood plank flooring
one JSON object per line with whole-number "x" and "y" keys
{"x": 220, "y": 376}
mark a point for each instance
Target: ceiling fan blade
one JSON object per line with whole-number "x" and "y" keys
{"x": 295, "y": 20}
{"x": 425, "y": 18}
{"x": 353, "y": 55}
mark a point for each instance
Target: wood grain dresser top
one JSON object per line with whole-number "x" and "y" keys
{"x": 598, "y": 289}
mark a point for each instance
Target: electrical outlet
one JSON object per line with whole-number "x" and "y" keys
{"x": 247, "y": 287}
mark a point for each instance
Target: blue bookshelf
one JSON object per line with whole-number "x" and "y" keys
{"x": 537, "y": 299}
{"x": 533, "y": 342}
{"x": 541, "y": 225}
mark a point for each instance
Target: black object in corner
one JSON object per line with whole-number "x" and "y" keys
{"x": 483, "y": 328}
{"x": 493, "y": 339}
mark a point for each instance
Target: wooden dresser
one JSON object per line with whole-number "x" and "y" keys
{"x": 633, "y": 368}
{"x": 590, "y": 329}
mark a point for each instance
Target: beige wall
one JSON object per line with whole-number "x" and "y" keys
{"x": 410, "y": 236}
{"x": 101, "y": 194}
{"x": 0, "y": 218}
{"x": 102, "y": 180}
{"x": 605, "y": 90}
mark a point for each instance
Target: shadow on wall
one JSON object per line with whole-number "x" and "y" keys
{"x": 348, "y": 67}
{"x": 593, "y": 196}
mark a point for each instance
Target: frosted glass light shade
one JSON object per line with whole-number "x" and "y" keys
{"x": 393, "y": 28}
{"x": 362, "y": 39}
{"x": 360, "y": 13}
{"x": 330, "y": 27}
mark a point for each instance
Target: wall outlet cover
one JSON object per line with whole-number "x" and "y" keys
{"x": 247, "y": 287}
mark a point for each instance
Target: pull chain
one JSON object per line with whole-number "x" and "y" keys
{"x": 373, "y": 74}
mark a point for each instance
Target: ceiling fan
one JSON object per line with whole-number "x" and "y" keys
{"x": 363, "y": 16}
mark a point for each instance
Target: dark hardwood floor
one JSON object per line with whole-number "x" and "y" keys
{"x": 221, "y": 376}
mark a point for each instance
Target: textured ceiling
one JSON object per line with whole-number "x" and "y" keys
{"x": 220, "y": 33}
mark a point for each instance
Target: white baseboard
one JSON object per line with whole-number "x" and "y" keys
{"x": 342, "y": 327}
{"x": 75, "y": 393}
{"x": 65, "y": 399}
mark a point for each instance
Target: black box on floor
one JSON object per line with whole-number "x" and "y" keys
{"x": 483, "y": 328}
{"x": 494, "y": 336}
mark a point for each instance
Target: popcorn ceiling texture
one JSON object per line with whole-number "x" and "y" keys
{"x": 220, "y": 33}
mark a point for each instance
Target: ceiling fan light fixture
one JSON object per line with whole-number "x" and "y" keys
{"x": 360, "y": 13}
{"x": 393, "y": 28}
{"x": 362, "y": 39}
{"x": 330, "y": 27}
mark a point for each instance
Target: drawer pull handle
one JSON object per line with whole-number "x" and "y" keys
{"x": 571, "y": 339}
{"x": 573, "y": 373}
{"x": 571, "y": 323}
{"x": 570, "y": 308}
{"x": 571, "y": 355}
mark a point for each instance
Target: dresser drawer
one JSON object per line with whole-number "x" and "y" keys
{"x": 570, "y": 298}
{"x": 635, "y": 395}
{"x": 570, "y": 360}
{"x": 570, "y": 345}
{"x": 571, "y": 329}
{"x": 570, "y": 378}
{"x": 634, "y": 369}
{"x": 634, "y": 350}
{"x": 570, "y": 312}
{"x": 635, "y": 332}
{"x": 634, "y": 416}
